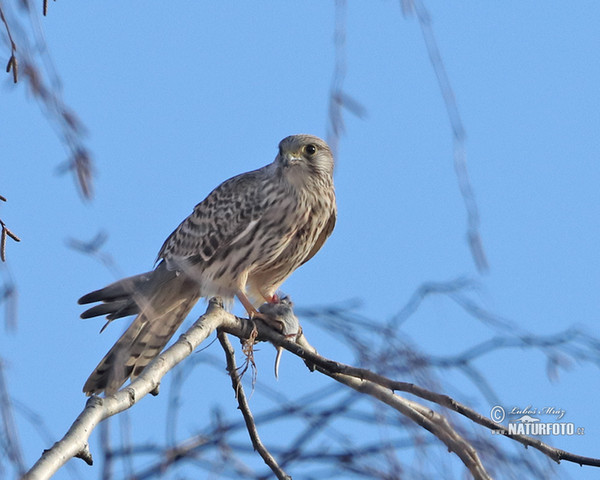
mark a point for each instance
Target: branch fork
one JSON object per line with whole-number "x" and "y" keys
{"x": 97, "y": 409}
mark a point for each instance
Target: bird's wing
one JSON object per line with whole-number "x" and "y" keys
{"x": 229, "y": 212}
{"x": 322, "y": 237}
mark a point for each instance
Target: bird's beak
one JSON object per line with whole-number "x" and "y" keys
{"x": 288, "y": 159}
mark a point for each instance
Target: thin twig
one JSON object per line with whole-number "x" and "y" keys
{"x": 12, "y": 444}
{"x": 107, "y": 456}
{"x": 5, "y": 230}
{"x": 9, "y": 295}
{"x": 304, "y": 350}
{"x": 98, "y": 409}
{"x": 329, "y": 366}
{"x": 34, "y": 65}
{"x": 93, "y": 248}
{"x": 338, "y": 98}
{"x": 74, "y": 443}
{"x": 245, "y": 408}
{"x": 12, "y": 61}
{"x": 3, "y": 235}
{"x": 423, "y": 416}
{"x": 458, "y": 134}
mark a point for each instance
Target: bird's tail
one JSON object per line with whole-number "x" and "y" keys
{"x": 161, "y": 299}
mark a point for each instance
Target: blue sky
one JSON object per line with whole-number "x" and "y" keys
{"x": 178, "y": 99}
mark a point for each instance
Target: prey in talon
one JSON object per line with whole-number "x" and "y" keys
{"x": 279, "y": 314}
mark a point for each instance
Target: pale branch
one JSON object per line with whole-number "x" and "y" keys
{"x": 421, "y": 415}
{"x": 97, "y": 409}
{"x": 75, "y": 441}
{"x": 324, "y": 365}
{"x": 240, "y": 396}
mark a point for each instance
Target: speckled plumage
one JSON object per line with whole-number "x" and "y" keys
{"x": 248, "y": 235}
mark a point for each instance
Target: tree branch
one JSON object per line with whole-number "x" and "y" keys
{"x": 5, "y": 232}
{"x": 245, "y": 408}
{"x": 423, "y": 416}
{"x": 458, "y": 133}
{"x": 75, "y": 441}
{"x": 329, "y": 367}
{"x": 12, "y": 61}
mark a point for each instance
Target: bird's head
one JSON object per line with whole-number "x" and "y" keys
{"x": 303, "y": 158}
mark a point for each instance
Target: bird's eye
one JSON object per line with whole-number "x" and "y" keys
{"x": 310, "y": 149}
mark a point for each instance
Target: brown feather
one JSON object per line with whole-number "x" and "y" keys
{"x": 252, "y": 231}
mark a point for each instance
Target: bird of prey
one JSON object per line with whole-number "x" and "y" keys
{"x": 243, "y": 240}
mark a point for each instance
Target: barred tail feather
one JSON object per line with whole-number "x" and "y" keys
{"x": 162, "y": 299}
{"x": 137, "y": 347}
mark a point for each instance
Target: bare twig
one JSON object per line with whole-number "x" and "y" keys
{"x": 12, "y": 61}
{"x": 97, "y": 409}
{"x": 106, "y": 444}
{"x": 422, "y": 292}
{"x": 6, "y": 232}
{"x": 9, "y": 296}
{"x": 331, "y": 367}
{"x": 34, "y": 65}
{"x": 245, "y": 408}
{"x": 93, "y": 248}
{"x": 12, "y": 445}
{"x": 422, "y": 416}
{"x": 304, "y": 350}
{"x": 338, "y": 98}
{"x": 458, "y": 132}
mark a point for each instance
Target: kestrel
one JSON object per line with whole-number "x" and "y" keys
{"x": 243, "y": 240}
